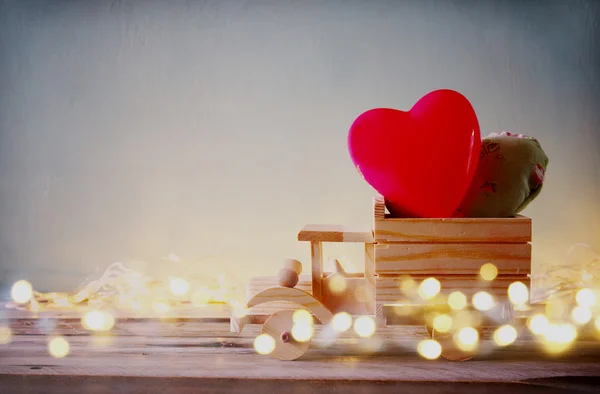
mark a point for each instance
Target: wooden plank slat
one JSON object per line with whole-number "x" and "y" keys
{"x": 459, "y": 230}
{"x": 387, "y": 289}
{"x": 445, "y": 258}
{"x": 334, "y": 233}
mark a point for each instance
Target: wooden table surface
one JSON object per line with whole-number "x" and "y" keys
{"x": 196, "y": 354}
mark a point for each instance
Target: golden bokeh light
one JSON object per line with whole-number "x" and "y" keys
{"x": 429, "y": 349}
{"x": 161, "y": 307}
{"x": 558, "y": 337}
{"x": 597, "y": 323}
{"x": 264, "y": 344}
{"x": 538, "y": 324}
{"x": 581, "y": 314}
{"x": 179, "y": 286}
{"x": 58, "y": 347}
{"x": 467, "y": 339}
{"x": 556, "y": 309}
{"x": 408, "y": 286}
{"x": 586, "y": 298}
{"x": 337, "y": 284}
{"x": 302, "y": 316}
{"x": 505, "y": 335}
{"x": 457, "y": 300}
{"x": 364, "y": 326}
{"x": 518, "y": 293}
{"x": 302, "y": 332}
{"x": 21, "y": 292}
{"x": 341, "y": 322}
{"x": 483, "y": 301}
{"x": 488, "y": 272}
{"x": 5, "y": 335}
{"x": 98, "y": 321}
{"x": 429, "y": 288}
{"x": 200, "y": 297}
{"x": 442, "y": 323}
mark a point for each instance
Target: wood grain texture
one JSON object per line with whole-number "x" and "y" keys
{"x": 446, "y": 258}
{"x": 155, "y": 357}
{"x": 370, "y": 276}
{"x": 294, "y": 295}
{"x": 334, "y": 233}
{"x": 378, "y": 207}
{"x": 458, "y": 230}
{"x": 316, "y": 253}
{"x": 388, "y": 288}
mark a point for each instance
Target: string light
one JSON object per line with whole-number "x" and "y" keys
{"x": 442, "y": 323}
{"x": 364, "y": 326}
{"x": 302, "y": 332}
{"x": 179, "y": 286}
{"x": 341, "y": 322}
{"x": 586, "y": 298}
{"x": 58, "y": 347}
{"x": 505, "y": 335}
{"x": 429, "y": 288}
{"x": 21, "y": 292}
{"x": 559, "y": 337}
{"x": 264, "y": 344}
{"x": 5, "y": 335}
{"x": 538, "y": 324}
{"x": 581, "y": 314}
{"x": 483, "y": 301}
{"x": 429, "y": 349}
{"x": 98, "y": 321}
{"x": 518, "y": 293}
{"x": 467, "y": 338}
{"x": 457, "y": 300}
{"x": 302, "y": 316}
{"x": 488, "y": 272}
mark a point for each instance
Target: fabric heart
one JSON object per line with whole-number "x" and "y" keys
{"x": 421, "y": 161}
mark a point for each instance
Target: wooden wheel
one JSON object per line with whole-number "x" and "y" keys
{"x": 279, "y": 327}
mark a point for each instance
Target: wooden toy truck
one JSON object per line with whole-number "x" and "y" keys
{"x": 450, "y": 250}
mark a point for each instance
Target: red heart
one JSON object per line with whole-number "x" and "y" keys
{"x": 422, "y": 161}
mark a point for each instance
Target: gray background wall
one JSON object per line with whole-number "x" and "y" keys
{"x": 132, "y": 129}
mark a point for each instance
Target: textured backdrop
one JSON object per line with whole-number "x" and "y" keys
{"x": 133, "y": 129}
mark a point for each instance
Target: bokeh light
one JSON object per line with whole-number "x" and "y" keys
{"x": 337, "y": 284}
{"x": 179, "y": 286}
{"x": 467, "y": 339}
{"x": 597, "y": 323}
{"x": 505, "y": 335}
{"x": 483, "y": 301}
{"x": 488, "y": 272}
{"x": 538, "y": 324}
{"x": 518, "y": 293}
{"x": 442, "y": 323}
{"x": 408, "y": 286}
{"x": 161, "y": 307}
{"x": 98, "y": 321}
{"x": 559, "y": 337}
{"x": 264, "y": 344}
{"x": 341, "y": 322}
{"x": 302, "y": 316}
{"x": 429, "y": 349}
{"x": 429, "y": 288}
{"x": 457, "y": 300}
{"x": 58, "y": 347}
{"x": 586, "y": 298}
{"x": 200, "y": 297}
{"x": 302, "y": 332}
{"x": 581, "y": 314}
{"x": 21, "y": 292}
{"x": 5, "y": 335}
{"x": 364, "y": 326}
